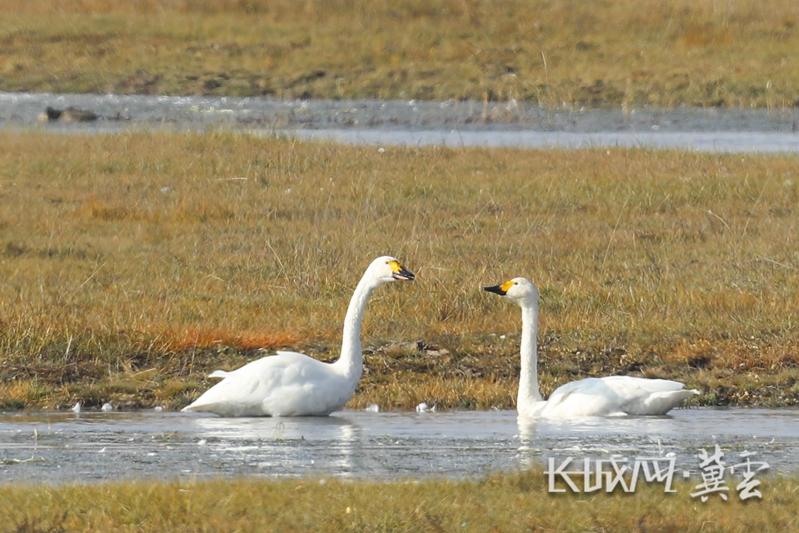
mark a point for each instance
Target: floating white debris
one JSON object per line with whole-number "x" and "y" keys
{"x": 372, "y": 408}
{"x": 424, "y": 408}
{"x": 158, "y": 408}
{"x": 107, "y": 407}
{"x": 202, "y": 442}
{"x": 76, "y": 408}
{"x": 102, "y": 450}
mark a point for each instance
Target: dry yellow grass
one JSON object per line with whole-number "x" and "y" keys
{"x": 511, "y": 502}
{"x": 623, "y": 52}
{"x": 172, "y": 255}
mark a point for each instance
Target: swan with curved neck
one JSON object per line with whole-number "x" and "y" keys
{"x": 608, "y": 396}
{"x": 293, "y": 384}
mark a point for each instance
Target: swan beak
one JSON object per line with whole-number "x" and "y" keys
{"x": 502, "y": 290}
{"x": 400, "y": 273}
{"x": 403, "y": 274}
{"x": 496, "y": 289}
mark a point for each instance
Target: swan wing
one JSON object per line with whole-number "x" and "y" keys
{"x": 616, "y": 395}
{"x": 222, "y": 374}
{"x": 643, "y": 396}
{"x": 291, "y": 354}
{"x": 576, "y": 398}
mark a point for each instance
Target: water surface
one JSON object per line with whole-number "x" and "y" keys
{"x": 412, "y": 123}
{"x": 60, "y": 447}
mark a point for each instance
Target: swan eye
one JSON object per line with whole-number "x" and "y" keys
{"x": 515, "y": 282}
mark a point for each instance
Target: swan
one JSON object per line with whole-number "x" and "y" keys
{"x": 608, "y": 396}
{"x": 293, "y": 384}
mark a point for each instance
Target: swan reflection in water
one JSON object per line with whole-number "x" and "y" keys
{"x": 526, "y": 428}
{"x": 595, "y": 436}
{"x": 293, "y": 445}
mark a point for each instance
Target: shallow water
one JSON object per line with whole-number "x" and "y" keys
{"x": 700, "y": 141}
{"x": 450, "y": 123}
{"x": 60, "y": 447}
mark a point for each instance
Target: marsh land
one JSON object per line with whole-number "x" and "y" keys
{"x": 135, "y": 264}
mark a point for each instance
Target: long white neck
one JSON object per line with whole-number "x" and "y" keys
{"x": 350, "y": 363}
{"x": 528, "y": 381}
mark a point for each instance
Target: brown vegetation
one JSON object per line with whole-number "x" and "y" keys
{"x": 509, "y": 502}
{"x": 574, "y": 53}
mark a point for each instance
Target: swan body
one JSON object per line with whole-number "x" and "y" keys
{"x": 286, "y": 384}
{"x": 607, "y": 396}
{"x": 293, "y": 384}
{"x": 610, "y": 396}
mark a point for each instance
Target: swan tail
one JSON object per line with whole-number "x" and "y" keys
{"x": 219, "y": 408}
{"x": 221, "y": 374}
{"x": 199, "y": 407}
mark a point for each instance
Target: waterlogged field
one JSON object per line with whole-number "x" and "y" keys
{"x": 502, "y": 503}
{"x": 573, "y": 53}
{"x": 135, "y": 264}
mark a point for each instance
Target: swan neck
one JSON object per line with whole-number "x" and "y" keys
{"x": 351, "y": 359}
{"x": 528, "y": 381}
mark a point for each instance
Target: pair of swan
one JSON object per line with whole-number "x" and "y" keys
{"x": 293, "y": 384}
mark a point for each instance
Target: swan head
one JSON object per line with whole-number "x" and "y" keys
{"x": 386, "y": 269}
{"x": 520, "y": 290}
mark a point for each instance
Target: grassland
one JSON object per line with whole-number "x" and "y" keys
{"x": 500, "y": 503}
{"x": 134, "y": 264}
{"x": 573, "y": 53}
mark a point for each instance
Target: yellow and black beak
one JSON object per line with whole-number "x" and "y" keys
{"x": 502, "y": 289}
{"x": 400, "y": 273}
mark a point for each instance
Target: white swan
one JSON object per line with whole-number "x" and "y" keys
{"x": 608, "y": 396}
{"x": 293, "y": 384}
